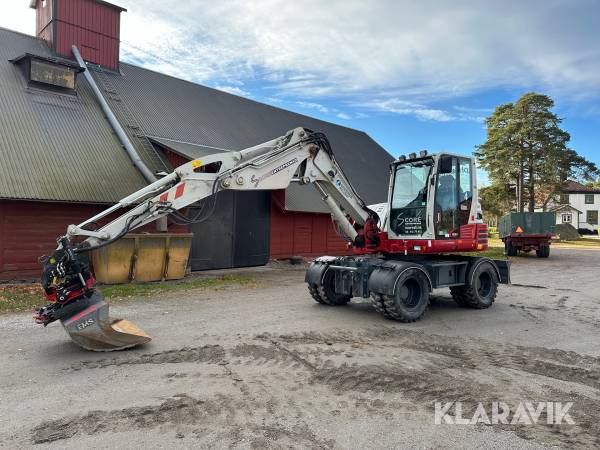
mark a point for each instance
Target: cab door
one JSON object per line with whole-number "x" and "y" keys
{"x": 453, "y": 196}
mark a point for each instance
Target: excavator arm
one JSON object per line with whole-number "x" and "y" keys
{"x": 300, "y": 155}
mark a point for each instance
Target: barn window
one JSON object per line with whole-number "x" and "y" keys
{"x": 589, "y": 199}
{"x": 49, "y": 73}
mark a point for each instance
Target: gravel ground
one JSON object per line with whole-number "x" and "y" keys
{"x": 267, "y": 367}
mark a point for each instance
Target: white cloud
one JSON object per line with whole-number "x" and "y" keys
{"x": 18, "y": 16}
{"x": 235, "y": 90}
{"x": 313, "y": 105}
{"x": 343, "y": 115}
{"x": 418, "y": 52}
{"x": 403, "y": 107}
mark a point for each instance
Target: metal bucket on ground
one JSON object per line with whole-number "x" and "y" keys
{"x": 92, "y": 329}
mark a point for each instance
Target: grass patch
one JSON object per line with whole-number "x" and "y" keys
{"x": 121, "y": 291}
{"x": 18, "y": 298}
{"x": 29, "y": 297}
{"x": 491, "y": 252}
{"x": 583, "y": 242}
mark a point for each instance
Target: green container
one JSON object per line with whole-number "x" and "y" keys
{"x": 529, "y": 223}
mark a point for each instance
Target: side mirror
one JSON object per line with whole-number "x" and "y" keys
{"x": 446, "y": 163}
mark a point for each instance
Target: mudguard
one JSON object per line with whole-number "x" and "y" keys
{"x": 316, "y": 270}
{"x": 501, "y": 266}
{"x": 383, "y": 279}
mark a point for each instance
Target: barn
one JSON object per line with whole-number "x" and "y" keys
{"x": 61, "y": 160}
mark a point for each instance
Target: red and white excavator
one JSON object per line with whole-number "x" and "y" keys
{"x": 403, "y": 249}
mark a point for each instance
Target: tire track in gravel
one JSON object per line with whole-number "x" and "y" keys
{"x": 471, "y": 355}
{"x": 206, "y": 353}
{"x": 471, "y": 352}
{"x": 457, "y": 377}
{"x": 184, "y": 412}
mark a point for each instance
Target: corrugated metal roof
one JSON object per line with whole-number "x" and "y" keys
{"x": 186, "y": 149}
{"x": 182, "y": 111}
{"x": 58, "y": 147}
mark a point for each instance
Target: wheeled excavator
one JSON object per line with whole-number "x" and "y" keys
{"x": 400, "y": 250}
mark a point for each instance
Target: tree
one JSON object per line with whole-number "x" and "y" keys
{"x": 496, "y": 200}
{"x": 527, "y": 150}
{"x": 595, "y": 184}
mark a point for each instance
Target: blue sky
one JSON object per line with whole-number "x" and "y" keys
{"x": 414, "y": 75}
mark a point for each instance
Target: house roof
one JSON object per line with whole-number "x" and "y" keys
{"x": 58, "y": 147}
{"x": 565, "y": 206}
{"x": 575, "y": 187}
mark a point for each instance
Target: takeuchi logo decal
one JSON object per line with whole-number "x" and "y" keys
{"x": 344, "y": 190}
{"x": 256, "y": 180}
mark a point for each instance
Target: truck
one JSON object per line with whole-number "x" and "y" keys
{"x": 527, "y": 231}
{"x": 401, "y": 250}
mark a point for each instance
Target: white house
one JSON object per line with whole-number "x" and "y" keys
{"x": 566, "y": 214}
{"x": 578, "y": 204}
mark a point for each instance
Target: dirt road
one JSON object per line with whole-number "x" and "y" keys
{"x": 267, "y": 367}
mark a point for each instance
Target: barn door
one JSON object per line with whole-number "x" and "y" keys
{"x": 237, "y": 233}
{"x": 212, "y": 245}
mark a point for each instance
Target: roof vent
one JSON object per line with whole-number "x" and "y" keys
{"x": 49, "y": 73}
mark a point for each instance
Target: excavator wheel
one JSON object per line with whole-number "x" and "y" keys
{"x": 92, "y": 329}
{"x": 410, "y": 300}
{"x": 482, "y": 292}
{"x": 325, "y": 293}
{"x": 457, "y": 293}
{"x": 314, "y": 293}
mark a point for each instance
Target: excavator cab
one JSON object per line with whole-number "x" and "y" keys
{"x": 431, "y": 197}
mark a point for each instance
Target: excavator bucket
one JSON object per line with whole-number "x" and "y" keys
{"x": 92, "y": 329}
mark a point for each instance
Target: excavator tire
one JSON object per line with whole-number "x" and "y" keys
{"x": 482, "y": 292}
{"x": 314, "y": 293}
{"x": 377, "y": 302}
{"x": 325, "y": 293}
{"x": 457, "y": 293}
{"x": 410, "y": 300}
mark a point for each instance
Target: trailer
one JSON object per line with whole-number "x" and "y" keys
{"x": 527, "y": 231}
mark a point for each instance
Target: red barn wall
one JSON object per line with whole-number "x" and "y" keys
{"x": 175, "y": 159}
{"x": 92, "y": 26}
{"x": 302, "y": 234}
{"x": 43, "y": 21}
{"x": 28, "y": 230}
